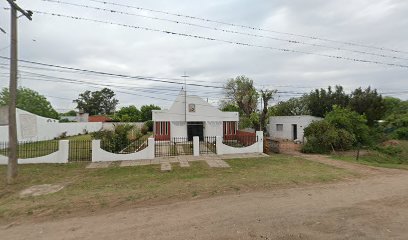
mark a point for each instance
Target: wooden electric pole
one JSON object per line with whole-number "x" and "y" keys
{"x": 13, "y": 144}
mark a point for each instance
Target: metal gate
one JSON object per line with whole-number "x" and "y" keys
{"x": 175, "y": 147}
{"x": 208, "y": 145}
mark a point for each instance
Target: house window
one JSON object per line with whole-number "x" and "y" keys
{"x": 279, "y": 127}
{"x": 163, "y": 128}
{"x": 230, "y": 128}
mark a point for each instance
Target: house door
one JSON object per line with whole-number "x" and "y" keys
{"x": 294, "y": 127}
{"x": 195, "y": 129}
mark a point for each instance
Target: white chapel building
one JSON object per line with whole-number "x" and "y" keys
{"x": 191, "y": 116}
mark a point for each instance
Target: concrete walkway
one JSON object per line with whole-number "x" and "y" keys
{"x": 213, "y": 161}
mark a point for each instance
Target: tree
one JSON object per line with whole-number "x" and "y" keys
{"x": 369, "y": 103}
{"x": 30, "y": 101}
{"x": 320, "y": 102}
{"x": 350, "y": 121}
{"x": 230, "y": 107}
{"x": 70, "y": 113}
{"x": 146, "y": 112}
{"x": 266, "y": 95}
{"x": 128, "y": 114}
{"x": 291, "y": 107}
{"x": 97, "y": 102}
{"x": 242, "y": 93}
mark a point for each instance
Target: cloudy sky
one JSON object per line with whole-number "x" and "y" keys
{"x": 165, "y": 57}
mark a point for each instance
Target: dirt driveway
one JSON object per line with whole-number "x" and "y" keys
{"x": 375, "y": 207}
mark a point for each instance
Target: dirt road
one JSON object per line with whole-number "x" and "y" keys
{"x": 368, "y": 208}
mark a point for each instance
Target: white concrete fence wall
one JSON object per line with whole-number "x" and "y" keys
{"x": 257, "y": 147}
{"x": 100, "y": 155}
{"x": 60, "y": 156}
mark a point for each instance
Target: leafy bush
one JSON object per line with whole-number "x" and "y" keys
{"x": 321, "y": 137}
{"x": 389, "y": 150}
{"x": 149, "y": 125}
{"x": 401, "y": 133}
{"x": 116, "y": 140}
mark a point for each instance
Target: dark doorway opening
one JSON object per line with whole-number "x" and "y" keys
{"x": 294, "y": 127}
{"x": 195, "y": 129}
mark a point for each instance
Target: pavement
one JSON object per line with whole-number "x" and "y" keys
{"x": 213, "y": 161}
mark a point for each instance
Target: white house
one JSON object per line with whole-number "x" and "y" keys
{"x": 192, "y": 116}
{"x": 289, "y": 127}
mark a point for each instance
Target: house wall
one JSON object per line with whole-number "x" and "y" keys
{"x": 194, "y": 109}
{"x": 213, "y": 128}
{"x": 287, "y": 131}
{"x": 178, "y": 129}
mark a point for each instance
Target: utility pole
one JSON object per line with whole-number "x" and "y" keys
{"x": 185, "y": 96}
{"x": 13, "y": 144}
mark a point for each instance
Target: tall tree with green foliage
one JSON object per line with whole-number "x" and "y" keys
{"x": 320, "y": 102}
{"x": 368, "y": 102}
{"x": 30, "y": 101}
{"x": 97, "y": 102}
{"x": 241, "y": 92}
{"x": 352, "y": 122}
{"x": 291, "y": 107}
{"x": 128, "y": 114}
{"x": 266, "y": 95}
{"x": 146, "y": 112}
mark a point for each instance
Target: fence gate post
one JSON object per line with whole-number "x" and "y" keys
{"x": 63, "y": 148}
{"x": 196, "y": 146}
{"x": 96, "y": 145}
{"x": 218, "y": 144}
{"x": 151, "y": 146}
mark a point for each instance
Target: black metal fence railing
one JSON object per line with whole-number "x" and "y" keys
{"x": 208, "y": 145}
{"x": 124, "y": 147}
{"x": 80, "y": 151}
{"x": 239, "y": 141}
{"x": 183, "y": 145}
{"x": 31, "y": 149}
{"x": 175, "y": 147}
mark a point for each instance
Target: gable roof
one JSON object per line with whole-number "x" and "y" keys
{"x": 204, "y": 111}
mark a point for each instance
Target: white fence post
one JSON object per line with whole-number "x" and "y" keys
{"x": 96, "y": 145}
{"x": 63, "y": 148}
{"x": 151, "y": 145}
{"x": 259, "y": 135}
{"x": 196, "y": 146}
{"x": 218, "y": 145}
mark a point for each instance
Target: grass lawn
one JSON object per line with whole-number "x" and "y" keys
{"x": 33, "y": 149}
{"x": 90, "y": 190}
{"x": 378, "y": 159}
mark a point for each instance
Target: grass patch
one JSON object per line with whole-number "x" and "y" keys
{"x": 33, "y": 149}
{"x": 89, "y": 190}
{"x": 388, "y": 157}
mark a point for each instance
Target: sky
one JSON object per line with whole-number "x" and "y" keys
{"x": 280, "y": 24}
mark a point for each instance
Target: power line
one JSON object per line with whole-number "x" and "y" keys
{"x": 224, "y": 41}
{"x": 113, "y": 74}
{"x": 252, "y": 28}
{"x": 224, "y": 30}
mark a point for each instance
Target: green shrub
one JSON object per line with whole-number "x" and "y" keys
{"x": 116, "y": 140}
{"x": 401, "y": 133}
{"x": 149, "y": 125}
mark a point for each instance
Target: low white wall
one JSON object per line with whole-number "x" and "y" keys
{"x": 73, "y": 129}
{"x": 51, "y": 130}
{"x": 110, "y": 126}
{"x": 60, "y": 156}
{"x": 254, "y": 148}
{"x": 100, "y": 155}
